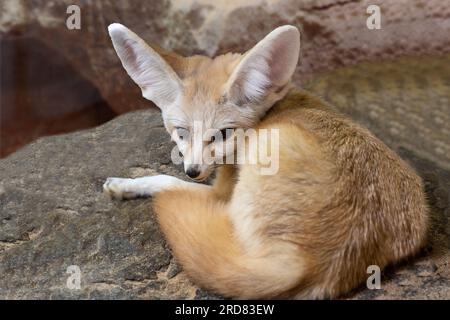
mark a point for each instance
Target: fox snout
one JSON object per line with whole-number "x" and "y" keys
{"x": 193, "y": 171}
{"x": 198, "y": 172}
{"x": 196, "y": 159}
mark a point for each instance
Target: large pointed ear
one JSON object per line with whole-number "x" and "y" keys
{"x": 157, "y": 80}
{"x": 268, "y": 65}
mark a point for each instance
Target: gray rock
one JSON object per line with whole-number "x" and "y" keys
{"x": 54, "y": 214}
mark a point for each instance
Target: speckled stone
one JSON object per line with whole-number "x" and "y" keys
{"x": 334, "y": 32}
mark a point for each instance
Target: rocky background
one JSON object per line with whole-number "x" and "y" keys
{"x": 58, "y": 80}
{"x": 396, "y": 81}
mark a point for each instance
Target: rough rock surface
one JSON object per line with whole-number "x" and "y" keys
{"x": 86, "y": 74}
{"x": 41, "y": 96}
{"x": 53, "y": 213}
{"x": 334, "y": 32}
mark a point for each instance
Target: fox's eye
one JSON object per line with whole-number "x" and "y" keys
{"x": 182, "y": 133}
{"x": 225, "y": 132}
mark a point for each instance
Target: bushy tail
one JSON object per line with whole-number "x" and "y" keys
{"x": 197, "y": 227}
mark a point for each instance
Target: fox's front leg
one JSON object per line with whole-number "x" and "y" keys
{"x": 125, "y": 188}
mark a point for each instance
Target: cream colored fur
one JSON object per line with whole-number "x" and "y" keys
{"x": 341, "y": 200}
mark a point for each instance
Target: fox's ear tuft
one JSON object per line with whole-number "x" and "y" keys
{"x": 270, "y": 64}
{"x": 157, "y": 80}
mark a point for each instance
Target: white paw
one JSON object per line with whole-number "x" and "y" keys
{"x": 119, "y": 188}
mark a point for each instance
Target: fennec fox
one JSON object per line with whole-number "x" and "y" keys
{"x": 339, "y": 202}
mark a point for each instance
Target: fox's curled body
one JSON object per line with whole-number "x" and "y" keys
{"x": 340, "y": 202}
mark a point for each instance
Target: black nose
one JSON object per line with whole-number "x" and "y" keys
{"x": 192, "y": 173}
